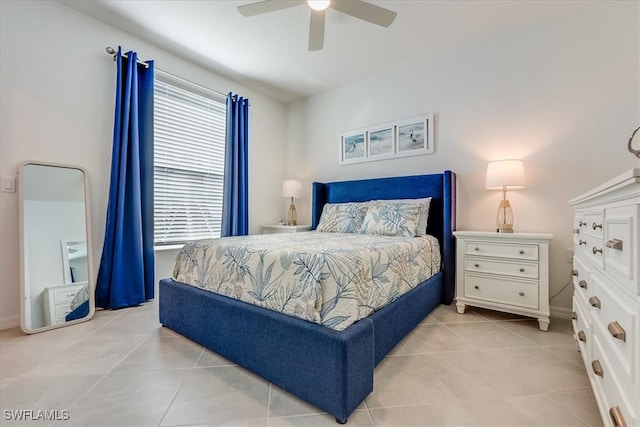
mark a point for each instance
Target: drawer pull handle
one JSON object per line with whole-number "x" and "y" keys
{"x": 521, "y": 252}
{"x": 521, "y": 293}
{"x": 582, "y": 242}
{"x": 617, "y": 331}
{"x": 614, "y": 244}
{"x": 476, "y": 249}
{"x": 476, "y": 265}
{"x": 595, "y": 302}
{"x": 616, "y": 417}
{"x": 582, "y": 284}
{"x": 574, "y": 272}
{"x": 597, "y": 368}
{"x": 574, "y": 315}
{"x": 521, "y": 269}
{"x": 581, "y": 223}
{"x": 595, "y": 250}
{"x": 595, "y": 226}
{"x": 476, "y": 287}
{"x": 582, "y": 337}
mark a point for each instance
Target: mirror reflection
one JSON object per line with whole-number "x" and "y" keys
{"x": 56, "y": 260}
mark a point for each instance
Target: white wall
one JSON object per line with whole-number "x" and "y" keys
{"x": 57, "y": 102}
{"x": 563, "y": 94}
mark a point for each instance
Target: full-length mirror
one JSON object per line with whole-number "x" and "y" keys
{"x": 56, "y": 266}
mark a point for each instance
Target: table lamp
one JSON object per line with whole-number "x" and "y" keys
{"x": 293, "y": 189}
{"x": 503, "y": 175}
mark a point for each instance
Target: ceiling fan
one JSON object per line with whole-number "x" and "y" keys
{"x": 357, "y": 8}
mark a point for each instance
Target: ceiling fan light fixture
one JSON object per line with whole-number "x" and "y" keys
{"x": 318, "y": 4}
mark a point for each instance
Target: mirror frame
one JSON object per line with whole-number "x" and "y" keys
{"x": 23, "y": 284}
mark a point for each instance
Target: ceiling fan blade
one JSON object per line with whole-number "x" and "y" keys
{"x": 267, "y": 6}
{"x": 316, "y": 30}
{"x": 365, "y": 11}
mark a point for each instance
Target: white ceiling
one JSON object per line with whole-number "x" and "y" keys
{"x": 269, "y": 52}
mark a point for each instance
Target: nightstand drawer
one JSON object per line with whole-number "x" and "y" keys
{"x": 499, "y": 290}
{"x": 280, "y": 228}
{"x": 62, "y": 296}
{"x": 502, "y": 250}
{"x": 516, "y": 269}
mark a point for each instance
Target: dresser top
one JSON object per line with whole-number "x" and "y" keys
{"x": 620, "y": 183}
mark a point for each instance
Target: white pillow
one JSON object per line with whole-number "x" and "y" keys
{"x": 392, "y": 219}
{"x": 425, "y": 203}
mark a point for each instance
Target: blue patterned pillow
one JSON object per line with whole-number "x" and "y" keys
{"x": 342, "y": 217}
{"x": 425, "y": 203}
{"x": 392, "y": 219}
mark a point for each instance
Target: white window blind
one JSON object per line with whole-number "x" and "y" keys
{"x": 189, "y": 143}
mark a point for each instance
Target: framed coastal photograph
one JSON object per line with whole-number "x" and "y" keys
{"x": 381, "y": 142}
{"x": 353, "y": 147}
{"x": 400, "y": 138}
{"x": 414, "y": 136}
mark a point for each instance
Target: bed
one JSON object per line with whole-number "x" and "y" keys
{"x": 331, "y": 369}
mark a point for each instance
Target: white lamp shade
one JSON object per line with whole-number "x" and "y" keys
{"x": 291, "y": 188}
{"x": 505, "y": 174}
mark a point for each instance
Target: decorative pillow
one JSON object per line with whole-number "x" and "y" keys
{"x": 391, "y": 219}
{"x": 342, "y": 217}
{"x": 421, "y": 229}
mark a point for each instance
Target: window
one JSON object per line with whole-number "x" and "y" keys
{"x": 189, "y": 143}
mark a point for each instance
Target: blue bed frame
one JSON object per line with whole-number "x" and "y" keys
{"x": 332, "y": 370}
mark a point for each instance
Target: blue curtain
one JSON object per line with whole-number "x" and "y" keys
{"x": 235, "y": 202}
{"x": 126, "y": 274}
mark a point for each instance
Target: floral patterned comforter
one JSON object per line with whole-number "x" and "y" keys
{"x": 333, "y": 279}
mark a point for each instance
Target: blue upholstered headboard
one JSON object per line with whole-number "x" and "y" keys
{"x": 442, "y": 212}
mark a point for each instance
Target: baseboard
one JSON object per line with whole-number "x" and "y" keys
{"x": 9, "y": 322}
{"x": 560, "y": 312}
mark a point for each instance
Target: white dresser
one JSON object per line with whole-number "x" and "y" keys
{"x": 57, "y": 301}
{"x": 606, "y": 301}
{"x": 504, "y": 271}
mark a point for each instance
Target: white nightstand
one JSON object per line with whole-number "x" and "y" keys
{"x": 279, "y": 228}
{"x": 504, "y": 271}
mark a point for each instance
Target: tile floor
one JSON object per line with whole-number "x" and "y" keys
{"x": 123, "y": 369}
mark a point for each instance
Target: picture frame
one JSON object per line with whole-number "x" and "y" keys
{"x": 353, "y": 147}
{"x": 381, "y": 142}
{"x": 413, "y": 136}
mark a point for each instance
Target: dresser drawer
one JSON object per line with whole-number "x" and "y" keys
{"x": 582, "y": 327}
{"x": 502, "y": 250}
{"x": 516, "y": 269}
{"x": 621, "y": 247}
{"x": 580, "y": 276}
{"x": 500, "y": 290}
{"x": 614, "y": 316}
{"x": 594, "y": 223}
{"x": 609, "y": 390}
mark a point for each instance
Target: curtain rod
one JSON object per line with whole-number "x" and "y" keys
{"x": 112, "y": 51}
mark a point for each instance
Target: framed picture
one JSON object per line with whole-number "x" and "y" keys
{"x": 381, "y": 142}
{"x": 414, "y": 136}
{"x": 353, "y": 147}
{"x": 402, "y": 138}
